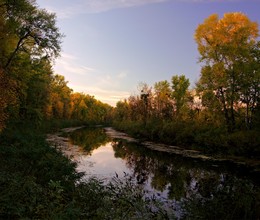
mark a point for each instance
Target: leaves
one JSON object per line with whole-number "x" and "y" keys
{"x": 225, "y": 45}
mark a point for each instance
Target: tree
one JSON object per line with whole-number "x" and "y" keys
{"x": 60, "y": 97}
{"x": 249, "y": 85}
{"x": 180, "y": 85}
{"x": 33, "y": 88}
{"x": 122, "y": 111}
{"x": 34, "y": 31}
{"x": 162, "y": 100}
{"x": 146, "y": 96}
{"x": 7, "y": 97}
{"x": 224, "y": 46}
{"x": 29, "y": 40}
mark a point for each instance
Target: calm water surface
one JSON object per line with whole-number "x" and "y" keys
{"x": 164, "y": 175}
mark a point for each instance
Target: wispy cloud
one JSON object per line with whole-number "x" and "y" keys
{"x": 77, "y": 7}
{"x": 105, "y": 95}
{"x": 105, "y": 87}
{"x": 96, "y": 6}
{"x": 68, "y": 63}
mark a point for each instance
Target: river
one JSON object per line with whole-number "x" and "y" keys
{"x": 227, "y": 190}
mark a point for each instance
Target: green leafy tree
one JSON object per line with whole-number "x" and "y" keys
{"x": 122, "y": 110}
{"x": 34, "y": 29}
{"x": 180, "y": 85}
{"x": 34, "y": 88}
{"x": 248, "y": 89}
{"x": 162, "y": 102}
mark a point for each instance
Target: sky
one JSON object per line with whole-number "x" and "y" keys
{"x": 111, "y": 46}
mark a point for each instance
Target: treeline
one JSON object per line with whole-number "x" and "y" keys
{"x": 30, "y": 91}
{"x": 222, "y": 113}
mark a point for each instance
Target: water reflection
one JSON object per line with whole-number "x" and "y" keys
{"x": 104, "y": 165}
{"x": 190, "y": 183}
{"x": 89, "y": 139}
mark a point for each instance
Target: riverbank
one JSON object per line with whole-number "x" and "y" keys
{"x": 207, "y": 138}
{"x": 58, "y": 141}
{"x": 251, "y": 165}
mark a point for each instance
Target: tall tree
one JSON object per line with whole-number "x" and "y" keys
{"x": 224, "y": 44}
{"x": 146, "y": 97}
{"x": 28, "y": 36}
{"x": 180, "y": 85}
{"x": 162, "y": 100}
{"x": 249, "y": 85}
{"x": 59, "y": 98}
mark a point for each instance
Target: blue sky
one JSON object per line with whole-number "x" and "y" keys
{"x": 113, "y": 45}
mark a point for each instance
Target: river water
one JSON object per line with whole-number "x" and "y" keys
{"x": 227, "y": 191}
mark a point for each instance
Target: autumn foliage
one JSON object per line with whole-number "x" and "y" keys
{"x": 29, "y": 41}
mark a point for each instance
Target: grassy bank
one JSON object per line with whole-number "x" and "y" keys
{"x": 205, "y": 137}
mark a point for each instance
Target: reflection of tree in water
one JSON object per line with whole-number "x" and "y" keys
{"x": 89, "y": 139}
{"x": 201, "y": 189}
{"x": 227, "y": 197}
{"x": 135, "y": 160}
{"x": 164, "y": 174}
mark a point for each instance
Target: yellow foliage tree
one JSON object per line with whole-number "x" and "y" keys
{"x": 225, "y": 46}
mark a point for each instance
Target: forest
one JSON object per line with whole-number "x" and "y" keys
{"x": 219, "y": 116}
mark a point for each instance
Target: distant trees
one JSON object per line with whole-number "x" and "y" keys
{"x": 87, "y": 109}
{"x": 162, "y": 101}
{"x": 60, "y": 97}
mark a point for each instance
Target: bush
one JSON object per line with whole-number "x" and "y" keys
{"x": 29, "y": 169}
{"x": 119, "y": 199}
{"x": 245, "y": 143}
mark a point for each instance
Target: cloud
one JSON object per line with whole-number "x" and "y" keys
{"x": 77, "y": 7}
{"x": 96, "y": 6}
{"x": 105, "y": 95}
{"x": 68, "y": 63}
{"x": 105, "y": 87}
{"x": 122, "y": 75}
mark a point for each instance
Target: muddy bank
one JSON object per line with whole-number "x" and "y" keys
{"x": 62, "y": 143}
{"x": 253, "y": 166}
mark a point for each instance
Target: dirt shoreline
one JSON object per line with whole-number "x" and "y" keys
{"x": 62, "y": 143}
{"x": 252, "y": 165}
